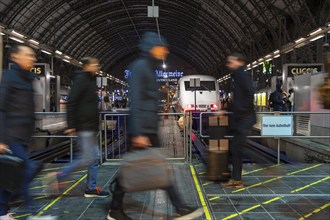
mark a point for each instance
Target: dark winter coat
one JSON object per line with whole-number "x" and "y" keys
{"x": 17, "y": 120}
{"x": 278, "y": 103}
{"x": 82, "y": 107}
{"x": 242, "y": 105}
{"x": 143, "y": 90}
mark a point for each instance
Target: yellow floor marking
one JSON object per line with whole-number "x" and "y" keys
{"x": 51, "y": 169}
{"x": 202, "y": 173}
{"x": 261, "y": 169}
{"x": 200, "y": 194}
{"x": 276, "y": 178}
{"x": 61, "y": 196}
{"x": 40, "y": 178}
{"x": 22, "y": 216}
{"x": 208, "y": 183}
{"x": 214, "y": 198}
{"x": 315, "y": 211}
{"x": 44, "y": 186}
{"x": 309, "y": 185}
{"x": 277, "y": 198}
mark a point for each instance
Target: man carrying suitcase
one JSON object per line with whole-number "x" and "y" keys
{"x": 143, "y": 119}
{"x": 17, "y": 120}
{"x": 243, "y": 117}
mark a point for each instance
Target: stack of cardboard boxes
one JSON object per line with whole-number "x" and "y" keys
{"x": 218, "y": 148}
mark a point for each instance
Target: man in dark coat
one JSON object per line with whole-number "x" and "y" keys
{"x": 83, "y": 120}
{"x": 243, "y": 117}
{"x": 277, "y": 99}
{"x": 143, "y": 119}
{"x": 17, "y": 121}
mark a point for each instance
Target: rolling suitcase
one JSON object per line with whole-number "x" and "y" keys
{"x": 11, "y": 173}
{"x": 217, "y": 164}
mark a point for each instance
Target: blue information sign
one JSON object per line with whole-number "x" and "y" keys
{"x": 272, "y": 125}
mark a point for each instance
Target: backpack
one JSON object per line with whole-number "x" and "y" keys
{"x": 270, "y": 100}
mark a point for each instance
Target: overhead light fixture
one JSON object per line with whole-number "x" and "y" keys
{"x": 46, "y": 52}
{"x": 316, "y": 38}
{"x": 248, "y": 68}
{"x": 16, "y": 39}
{"x": 261, "y": 59}
{"x": 269, "y": 55}
{"x": 316, "y": 31}
{"x": 299, "y": 40}
{"x": 255, "y": 62}
{"x": 34, "y": 42}
{"x": 17, "y": 34}
{"x": 276, "y": 51}
{"x": 269, "y": 59}
{"x": 288, "y": 51}
{"x": 278, "y": 55}
{"x": 67, "y": 57}
{"x": 68, "y": 61}
{"x": 254, "y": 66}
{"x": 80, "y": 62}
{"x": 58, "y": 52}
{"x": 2, "y": 33}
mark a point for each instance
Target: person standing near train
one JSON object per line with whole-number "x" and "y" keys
{"x": 243, "y": 117}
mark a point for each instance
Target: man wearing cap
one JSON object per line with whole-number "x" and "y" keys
{"x": 243, "y": 117}
{"x": 143, "y": 119}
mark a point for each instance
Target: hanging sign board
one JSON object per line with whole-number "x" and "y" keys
{"x": 281, "y": 125}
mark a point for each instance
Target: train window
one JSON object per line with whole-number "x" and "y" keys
{"x": 205, "y": 86}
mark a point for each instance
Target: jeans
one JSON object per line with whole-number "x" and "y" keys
{"x": 20, "y": 151}
{"x": 89, "y": 156}
{"x": 118, "y": 194}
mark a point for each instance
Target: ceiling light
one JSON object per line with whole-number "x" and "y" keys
{"x": 276, "y": 51}
{"x": 269, "y": 55}
{"x": 34, "y": 42}
{"x": 288, "y": 51}
{"x": 254, "y": 66}
{"x": 16, "y": 39}
{"x": 278, "y": 55}
{"x": 164, "y": 65}
{"x": 269, "y": 59}
{"x": 67, "y": 57}
{"x": 58, "y": 52}
{"x": 316, "y": 38}
{"x": 299, "y": 40}
{"x": 46, "y": 52}
{"x": 2, "y": 33}
{"x": 17, "y": 34}
{"x": 255, "y": 62}
{"x": 68, "y": 61}
{"x": 316, "y": 31}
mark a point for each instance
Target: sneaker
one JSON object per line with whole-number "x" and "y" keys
{"x": 97, "y": 192}
{"x": 233, "y": 184}
{"x": 189, "y": 213}
{"x": 47, "y": 217}
{"x": 9, "y": 216}
{"x": 118, "y": 215}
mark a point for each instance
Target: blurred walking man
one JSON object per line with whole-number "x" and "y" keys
{"x": 143, "y": 120}
{"x": 83, "y": 120}
{"x": 17, "y": 119}
{"x": 243, "y": 118}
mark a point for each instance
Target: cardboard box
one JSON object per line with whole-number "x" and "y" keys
{"x": 219, "y": 145}
{"x": 218, "y": 120}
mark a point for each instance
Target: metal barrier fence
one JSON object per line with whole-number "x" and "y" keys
{"x": 278, "y": 138}
{"x": 115, "y": 137}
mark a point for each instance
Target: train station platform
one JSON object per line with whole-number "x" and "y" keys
{"x": 300, "y": 191}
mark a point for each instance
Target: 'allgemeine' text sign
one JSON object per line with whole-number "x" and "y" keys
{"x": 281, "y": 125}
